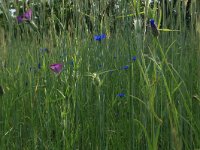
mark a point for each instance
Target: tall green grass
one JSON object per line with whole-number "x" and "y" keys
{"x": 80, "y": 108}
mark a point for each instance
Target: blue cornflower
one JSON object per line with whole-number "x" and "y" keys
{"x": 125, "y": 67}
{"x": 120, "y": 95}
{"x": 99, "y": 37}
{"x": 134, "y": 58}
{"x": 154, "y": 28}
{"x": 39, "y": 66}
{"x": 44, "y": 50}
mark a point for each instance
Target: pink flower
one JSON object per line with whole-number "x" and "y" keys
{"x": 28, "y": 14}
{"x": 57, "y": 68}
{"x": 25, "y": 16}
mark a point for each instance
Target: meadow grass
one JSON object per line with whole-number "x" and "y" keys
{"x": 81, "y": 107}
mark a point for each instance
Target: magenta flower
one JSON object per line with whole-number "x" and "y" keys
{"x": 57, "y": 68}
{"x": 28, "y": 14}
{"x": 25, "y": 16}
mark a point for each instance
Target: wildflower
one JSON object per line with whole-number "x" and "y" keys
{"x": 57, "y": 68}
{"x": 39, "y": 66}
{"x": 20, "y": 19}
{"x": 43, "y": 50}
{"x": 120, "y": 95}
{"x": 99, "y": 37}
{"x": 134, "y": 58}
{"x": 25, "y": 16}
{"x": 28, "y": 14}
{"x": 154, "y": 28}
{"x": 125, "y": 67}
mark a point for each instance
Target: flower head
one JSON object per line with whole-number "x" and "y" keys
{"x": 154, "y": 28}
{"x": 57, "y": 68}
{"x": 20, "y": 19}
{"x": 134, "y": 58}
{"x": 120, "y": 95}
{"x": 25, "y": 16}
{"x": 152, "y": 21}
{"x": 125, "y": 67}
{"x": 43, "y": 50}
{"x": 99, "y": 37}
{"x": 39, "y": 66}
{"x": 28, "y": 14}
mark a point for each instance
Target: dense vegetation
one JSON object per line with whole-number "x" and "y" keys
{"x": 90, "y": 74}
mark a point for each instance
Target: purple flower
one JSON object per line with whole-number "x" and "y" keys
{"x": 57, "y": 68}
{"x": 25, "y": 16}
{"x": 99, "y": 37}
{"x": 20, "y": 19}
{"x": 28, "y": 14}
{"x": 120, "y": 95}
